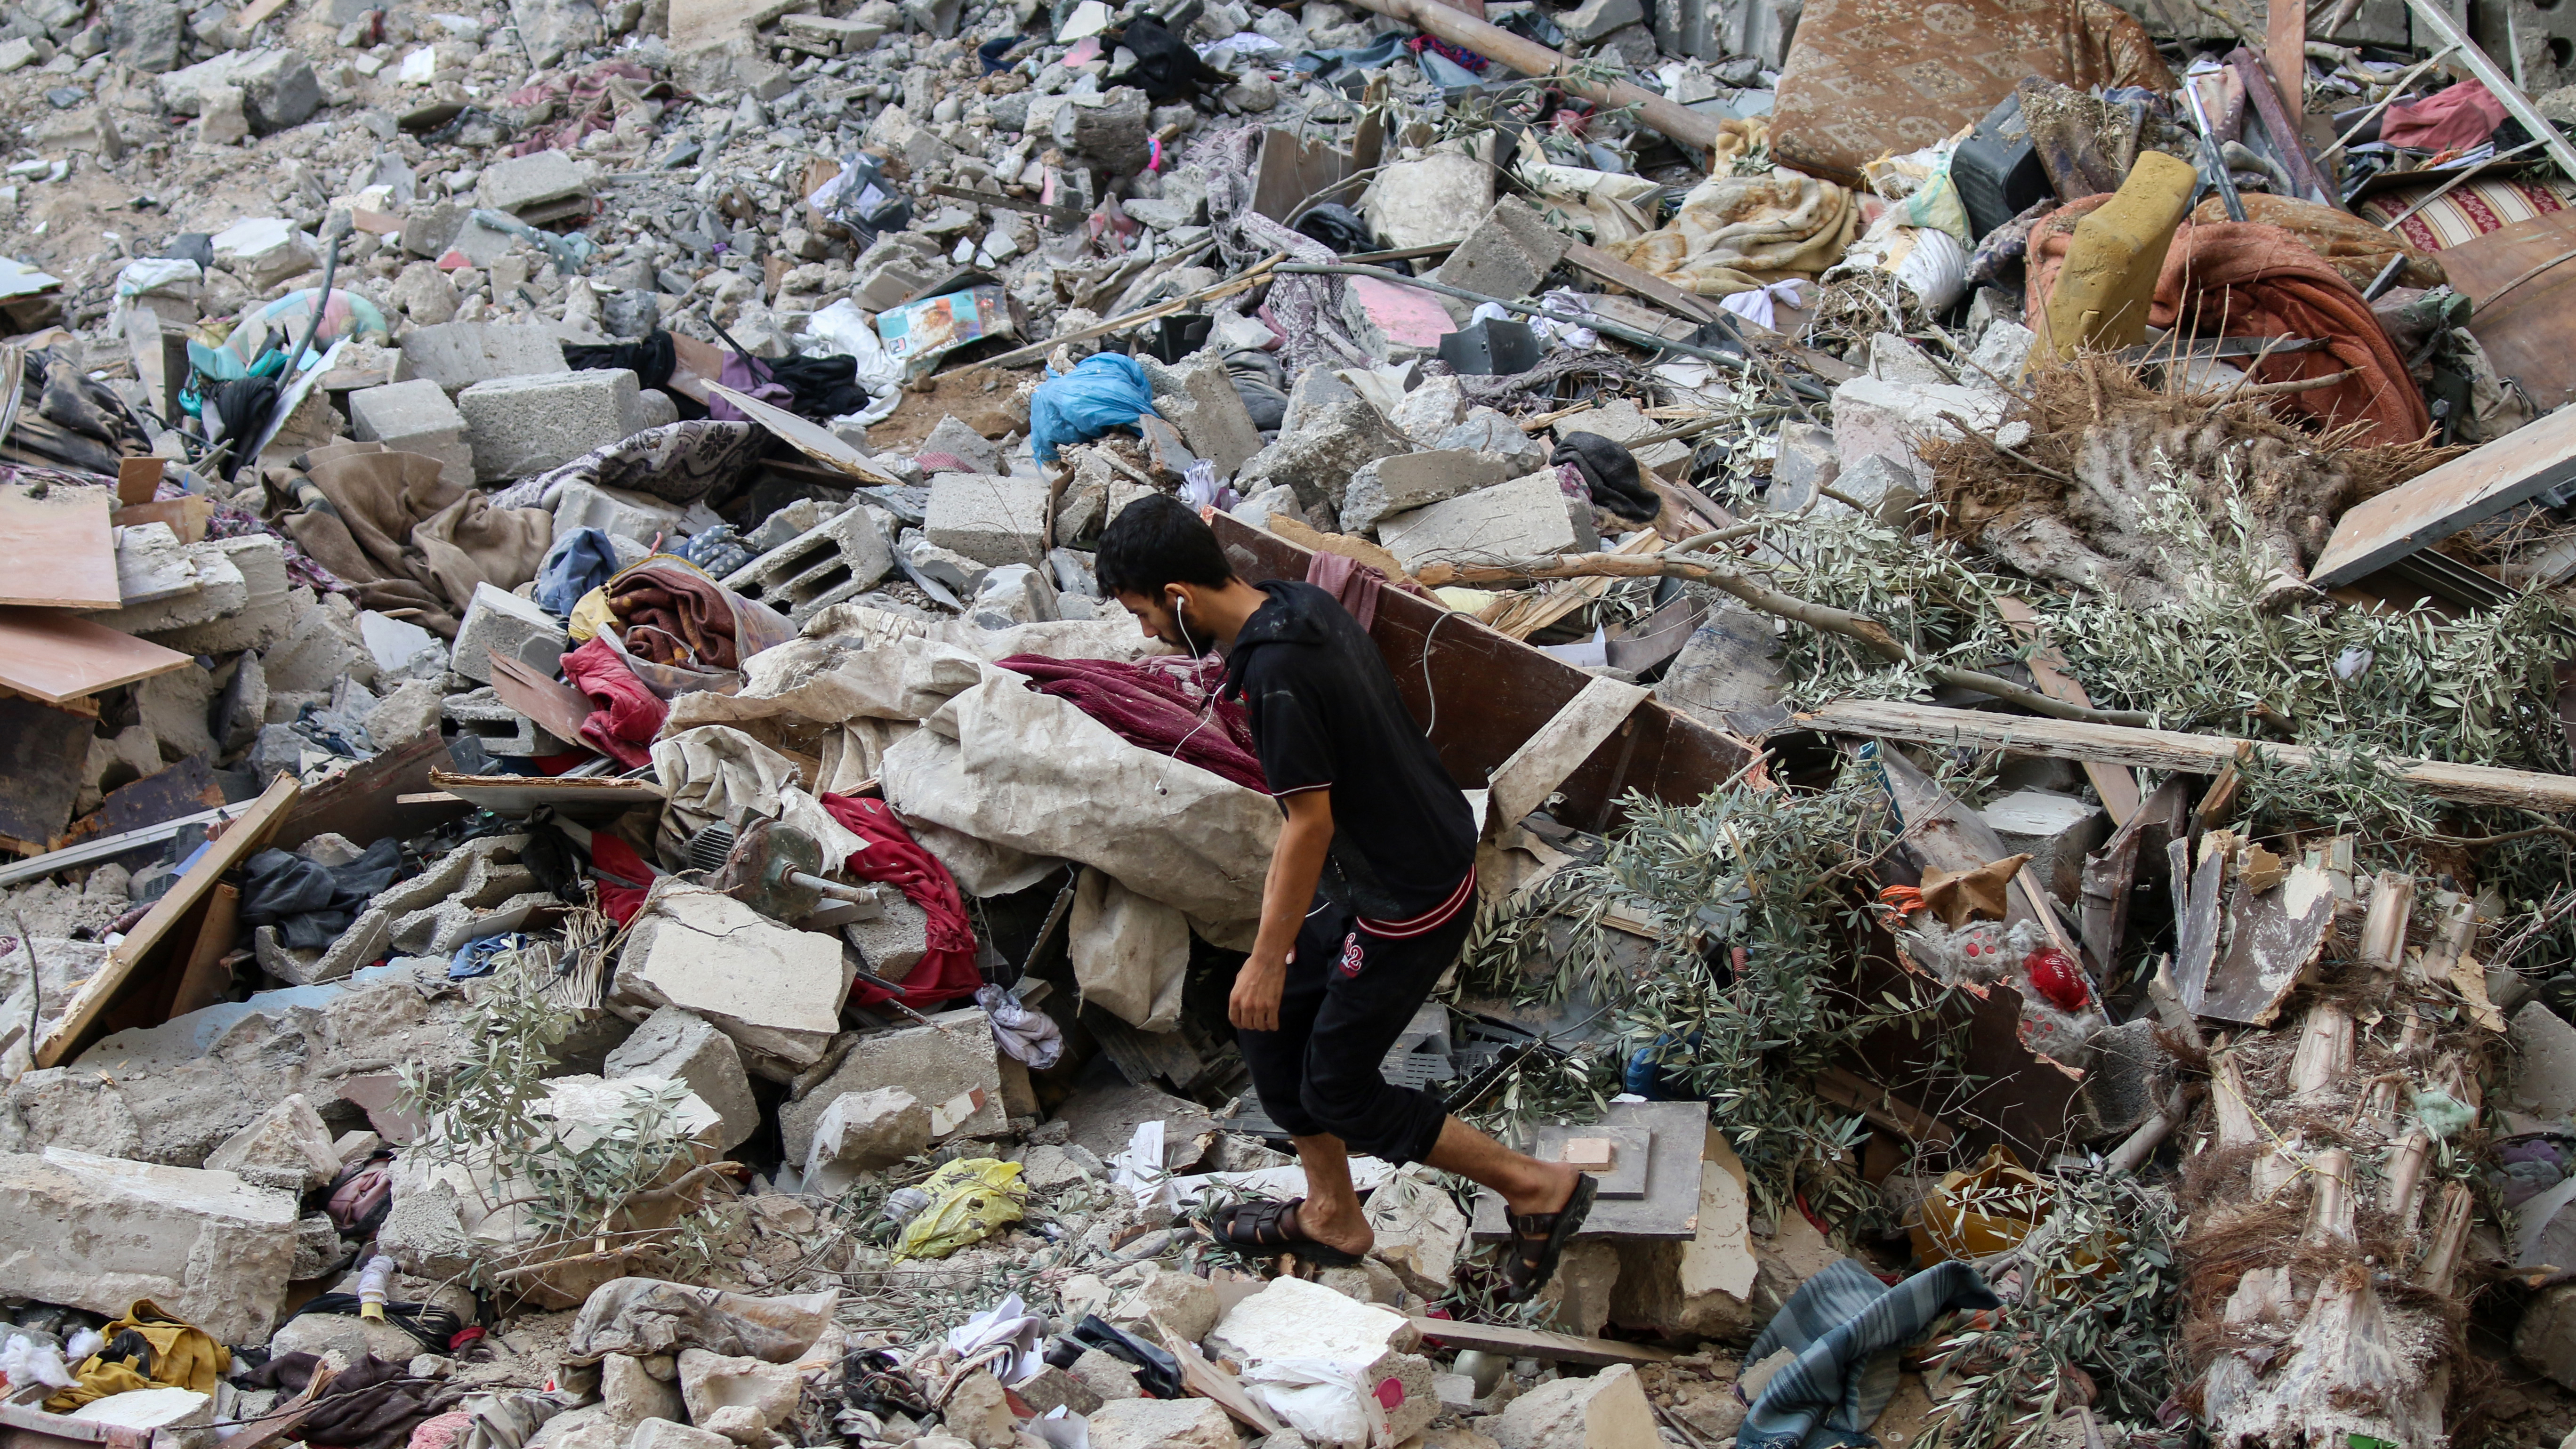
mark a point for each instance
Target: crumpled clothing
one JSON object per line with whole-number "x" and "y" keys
{"x": 625, "y": 715}
{"x": 739, "y": 375}
{"x": 646, "y": 1316}
{"x": 677, "y": 462}
{"x": 1610, "y": 473}
{"x": 441, "y": 1431}
{"x": 1312, "y": 314}
{"x": 482, "y": 957}
{"x": 145, "y": 1349}
{"x": 621, "y": 898}
{"x": 586, "y": 102}
{"x": 580, "y": 561}
{"x": 1756, "y": 306}
{"x": 2242, "y": 279}
{"x": 947, "y": 970}
{"x": 310, "y": 903}
{"x": 1735, "y": 233}
{"x": 670, "y": 615}
{"x": 370, "y": 1405}
{"x": 652, "y": 358}
{"x": 505, "y": 1420}
{"x": 1104, "y": 391}
{"x": 1846, "y": 1328}
{"x": 1029, "y": 1036}
{"x": 719, "y": 550}
{"x": 2350, "y": 245}
{"x": 1007, "y": 1322}
{"x": 2001, "y": 253}
{"x": 2452, "y": 119}
{"x": 1167, "y": 705}
{"x": 403, "y": 539}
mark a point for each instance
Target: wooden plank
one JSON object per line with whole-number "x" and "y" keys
{"x": 1214, "y": 1384}
{"x": 187, "y": 516}
{"x": 558, "y": 708}
{"x": 1605, "y": 267}
{"x": 2117, "y": 787}
{"x": 1532, "y": 1343}
{"x": 2064, "y": 739}
{"x": 2102, "y": 906}
{"x": 2275, "y": 937}
{"x": 2476, "y": 486}
{"x": 62, "y": 554}
{"x": 205, "y": 980}
{"x": 137, "y": 479}
{"x": 59, "y": 657}
{"x": 814, "y": 442}
{"x": 142, "y": 955}
{"x": 519, "y": 794}
{"x": 2197, "y": 916}
{"x": 2285, "y": 51}
{"x": 2530, "y": 335}
{"x": 255, "y": 12}
{"x": 1881, "y": 1107}
{"x": 1522, "y": 783}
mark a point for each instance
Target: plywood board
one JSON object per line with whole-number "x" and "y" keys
{"x": 814, "y": 442}
{"x": 57, "y": 657}
{"x": 141, "y": 962}
{"x": 2530, "y": 334}
{"x": 62, "y": 555}
{"x": 1533, "y": 1343}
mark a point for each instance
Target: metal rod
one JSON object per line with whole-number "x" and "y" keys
{"x": 2218, "y": 175}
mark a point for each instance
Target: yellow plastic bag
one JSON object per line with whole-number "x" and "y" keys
{"x": 970, "y": 1200}
{"x": 1983, "y": 1210}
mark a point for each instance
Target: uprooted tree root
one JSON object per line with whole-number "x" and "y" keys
{"x": 2071, "y": 502}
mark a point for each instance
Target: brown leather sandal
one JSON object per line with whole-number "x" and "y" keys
{"x": 1263, "y": 1227}
{"x": 1539, "y": 1239}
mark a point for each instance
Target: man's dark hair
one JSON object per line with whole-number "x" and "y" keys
{"x": 1155, "y": 541}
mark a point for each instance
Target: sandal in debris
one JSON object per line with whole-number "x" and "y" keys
{"x": 1539, "y": 1239}
{"x": 1264, "y": 1227}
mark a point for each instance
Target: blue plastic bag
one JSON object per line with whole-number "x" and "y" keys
{"x": 1105, "y": 390}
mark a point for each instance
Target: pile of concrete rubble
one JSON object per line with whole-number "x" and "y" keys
{"x": 589, "y": 866}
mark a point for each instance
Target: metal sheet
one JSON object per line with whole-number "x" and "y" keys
{"x": 2514, "y": 469}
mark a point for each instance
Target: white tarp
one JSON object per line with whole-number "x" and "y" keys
{"x": 1130, "y": 955}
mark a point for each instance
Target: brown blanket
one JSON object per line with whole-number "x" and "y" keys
{"x": 2240, "y": 279}
{"x": 406, "y": 542}
{"x": 673, "y": 615}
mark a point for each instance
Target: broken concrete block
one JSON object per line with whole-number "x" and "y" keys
{"x": 458, "y": 355}
{"x": 1198, "y": 398}
{"x": 992, "y": 518}
{"x": 1621, "y": 420}
{"x": 216, "y": 590}
{"x": 1435, "y": 199}
{"x": 681, "y": 1045}
{"x": 100, "y": 1232}
{"x": 1804, "y": 462}
{"x": 1510, "y": 252}
{"x": 2546, "y": 1336}
{"x": 615, "y": 512}
{"x": 524, "y": 182}
{"x": 1484, "y": 430}
{"x": 502, "y": 731}
{"x": 1609, "y": 1408}
{"x": 500, "y": 622}
{"x": 520, "y": 426}
{"x": 713, "y": 1384}
{"x": 1013, "y": 594}
{"x": 287, "y": 1148}
{"x": 1161, "y": 1424}
{"x": 2056, "y": 831}
{"x": 262, "y": 619}
{"x": 1704, "y": 1286}
{"x": 1183, "y": 1302}
{"x": 936, "y": 1063}
{"x": 1421, "y": 1233}
{"x": 1293, "y": 1319}
{"x": 1321, "y": 447}
{"x": 1051, "y": 1387}
{"x": 179, "y": 1418}
{"x": 264, "y": 251}
{"x": 894, "y": 942}
{"x": 1885, "y": 418}
{"x": 861, "y": 1131}
{"x": 953, "y": 439}
{"x": 629, "y": 1393}
{"x": 840, "y": 559}
{"x": 775, "y": 990}
{"x": 425, "y": 1233}
{"x": 671, "y": 1434}
{"x": 2000, "y": 355}
{"x": 415, "y": 417}
{"x": 1416, "y": 480}
{"x": 2544, "y": 1072}
{"x": 1528, "y": 515}
{"x": 151, "y": 564}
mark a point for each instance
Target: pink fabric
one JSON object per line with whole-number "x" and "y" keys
{"x": 440, "y": 1430}
{"x": 627, "y": 715}
{"x": 1352, "y": 584}
{"x": 1163, "y": 705}
{"x": 2451, "y": 120}
{"x": 947, "y": 971}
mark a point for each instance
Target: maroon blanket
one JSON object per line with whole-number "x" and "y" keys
{"x": 1163, "y": 705}
{"x": 947, "y": 971}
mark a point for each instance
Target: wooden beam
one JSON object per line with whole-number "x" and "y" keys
{"x": 2117, "y": 787}
{"x": 2285, "y": 53}
{"x": 2166, "y": 750}
{"x": 1532, "y": 1343}
{"x": 144, "y": 945}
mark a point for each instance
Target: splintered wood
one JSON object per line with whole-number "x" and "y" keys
{"x": 2314, "y": 1168}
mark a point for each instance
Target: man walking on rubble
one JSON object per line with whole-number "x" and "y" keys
{"x": 1370, "y": 893}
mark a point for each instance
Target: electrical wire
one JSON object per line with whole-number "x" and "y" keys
{"x": 1427, "y": 636}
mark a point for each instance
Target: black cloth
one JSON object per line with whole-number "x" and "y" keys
{"x": 1325, "y": 715}
{"x": 651, "y": 358}
{"x": 312, "y": 904}
{"x": 1610, "y": 471}
{"x": 1348, "y": 996}
{"x": 1166, "y": 68}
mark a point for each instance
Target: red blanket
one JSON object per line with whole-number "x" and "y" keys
{"x": 627, "y": 716}
{"x": 893, "y": 856}
{"x": 1161, "y": 705}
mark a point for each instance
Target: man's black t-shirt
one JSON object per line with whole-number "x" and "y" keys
{"x": 1325, "y": 716}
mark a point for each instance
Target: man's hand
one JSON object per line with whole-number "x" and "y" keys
{"x": 1254, "y": 1006}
